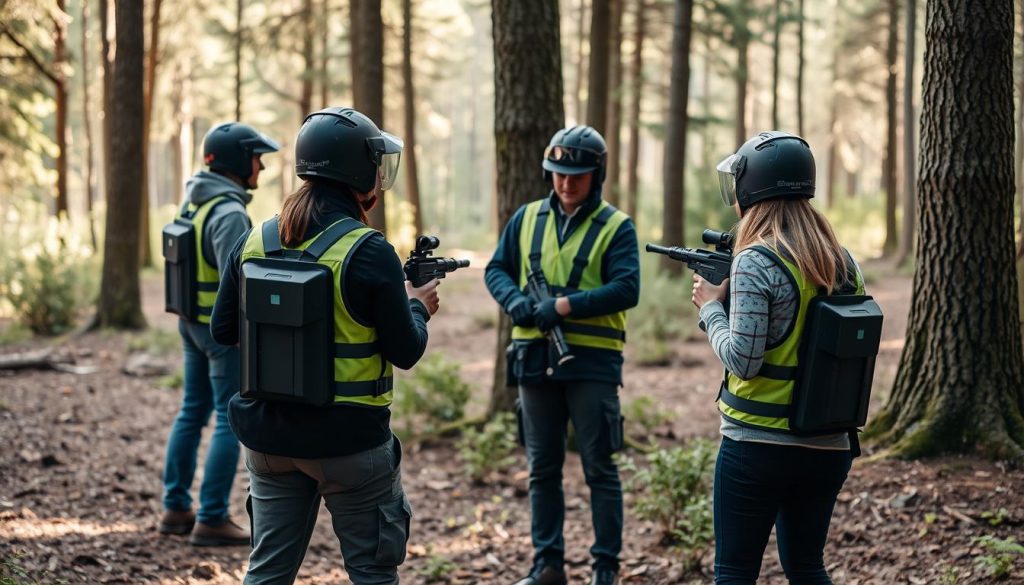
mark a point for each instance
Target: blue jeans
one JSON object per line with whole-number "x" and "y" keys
{"x": 363, "y": 492}
{"x": 212, "y": 373}
{"x": 594, "y": 410}
{"x": 758, "y": 485}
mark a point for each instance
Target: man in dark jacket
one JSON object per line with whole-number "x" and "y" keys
{"x": 215, "y": 204}
{"x": 587, "y": 251}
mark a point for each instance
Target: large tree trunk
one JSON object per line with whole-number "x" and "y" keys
{"x": 87, "y": 121}
{"x": 308, "y": 64}
{"x": 367, "y": 32}
{"x": 889, "y": 164}
{"x": 527, "y": 111}
{"x": 597, "y": 89}
{"x": 412, "y": 182}
{"x": 239, "y": 5}
{"x": 120, "y": 303}
{"x": 674, "y": 187}
{"x": 960, "y": 384}
{"x": 581, "y": 62}
{"x": 631, "y": 203}
{"x": 800, "y": 68}
{"x": 611, "y": 184}
{"x": 776, "y": 50}
{"x": 152, "y": 59}
{"x": 61, "y": 98}
{"x": 907, "y": 233}
{"x": 1019, "y": 162}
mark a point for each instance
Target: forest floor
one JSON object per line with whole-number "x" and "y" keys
{"x": 81, "y": 458}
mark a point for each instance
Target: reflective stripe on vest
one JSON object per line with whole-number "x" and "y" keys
{"x": 574, "y": 265}
{"x": 764, "y": 400}
{"x": 361, "y": 374}
{"x": 207, "y": 277}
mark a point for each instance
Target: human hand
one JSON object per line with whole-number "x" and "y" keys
{"x": 704, "y": 292}
{"x": 521, "y": 312}
{"x": 426, "y": 294}
{"x": 546, "y": 315}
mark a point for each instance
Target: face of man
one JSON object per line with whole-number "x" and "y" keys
{"x": 257, "y": 166}
{"x": 572, "y": 190}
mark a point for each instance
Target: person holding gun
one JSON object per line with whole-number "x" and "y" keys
{"x": 768, "y": 474}
{"x": 584, "y": 252}
{"x": 343, "y": 452}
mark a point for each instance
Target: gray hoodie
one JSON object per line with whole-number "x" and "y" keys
{"x": 227, "y": 222}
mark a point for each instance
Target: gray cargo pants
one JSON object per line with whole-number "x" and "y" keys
{"x": 363, "y": 492}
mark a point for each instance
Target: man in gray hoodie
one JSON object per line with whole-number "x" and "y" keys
{"x": 216, "y": 207}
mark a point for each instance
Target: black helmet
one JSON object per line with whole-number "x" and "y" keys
{"x": 771, "y": 165}
{"x": 229, "y": 147}
{"x": 343, "y": 145}
{"x": 574, "y": 151}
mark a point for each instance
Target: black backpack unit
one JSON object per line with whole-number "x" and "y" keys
{"x": 287, "y": 325}
{"x": 180, "y": 294}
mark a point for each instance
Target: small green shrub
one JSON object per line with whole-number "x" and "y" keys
{"x": 644, "y": 414}
{"x": 663, "y": 317}
{"x": 489, "y": 449}
{"x": 1002, "y": 552}
{"x": 434, "y": 394}
{"x": 674, "y": 490}
{"x": 174, "y": 380}
{"x": 12, "y": 573}
{"x": 436, "y": 568}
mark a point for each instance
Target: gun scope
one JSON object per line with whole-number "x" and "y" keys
{"x": 424, "y": 243}
{"x": 721, "y": 240}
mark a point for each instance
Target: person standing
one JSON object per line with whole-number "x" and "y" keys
{"x": 587, "y": 251}
{"x": 215, "y": 204}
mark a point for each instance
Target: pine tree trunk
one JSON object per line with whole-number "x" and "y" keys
{"x": 742, "y": 41}
{"x": 889, "y": 169}
{"x": 412, "y": 182}
{"x": 1019, "y": 162}
{"x": 527, "y": 110}
{"x": 581, "y": 62}
{"x": 367, "y": 32}
{"x": 152, "y": 59}
{"x": 108, "y": 82}
{"x": 775, "y": 64}
{"x": 632, "y": 199}
{"x": 61, "y": 99}
{"x": 907, "y": 232}
{"x": 674, "y": 187}
{"x": 833, "y": 133}
{"x": 120, "y": 302}
{"x": 239, "y": 5}
{"x": 308, "y": 62}
{"x": 960, "y": 383}
{"x": 800, "y": 69}
{"x": 611, "y": 184}
{"x": 87, "y": 121}
{"x": 325, "y": 34}
{"x": 597, "y": 89}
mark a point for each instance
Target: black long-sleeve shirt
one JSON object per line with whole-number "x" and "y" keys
{"x": 375, "y": 290}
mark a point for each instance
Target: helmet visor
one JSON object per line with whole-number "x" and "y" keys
{"x": 727, "y": 178}
{"x": 571, "y": 158}
{"x": 387, "y": 153}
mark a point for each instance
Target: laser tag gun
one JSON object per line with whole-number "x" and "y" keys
{"x": 712, "y": 266}
{"x": 421, "y": 267}
{"x": 538, "y": 290}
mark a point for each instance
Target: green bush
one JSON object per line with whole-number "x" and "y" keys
{"x": 434, "y": 394}
{"x": 664, "y": 316}
{"x": 674, "y": 490}
{"x": 999, "y": 562}
{"x": 644, "y": 414}
{"x": 489, "y": 449}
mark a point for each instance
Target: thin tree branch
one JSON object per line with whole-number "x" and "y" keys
{"x": 31, "y": 56}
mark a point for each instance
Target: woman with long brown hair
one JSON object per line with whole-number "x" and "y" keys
{"x": 315, "y": 423}
{"x": 767, "y": 474}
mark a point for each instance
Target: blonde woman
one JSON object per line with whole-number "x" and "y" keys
{"x": 766, "y": 475}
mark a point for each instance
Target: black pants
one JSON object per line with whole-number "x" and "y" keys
{"x": 758, "y": 485}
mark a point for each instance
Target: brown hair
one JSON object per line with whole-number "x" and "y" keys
{"x": 305, "y": 204}
{"x": 796, "y": 227}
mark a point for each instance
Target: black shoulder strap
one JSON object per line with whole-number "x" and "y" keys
{"x": 850, "y": 267}
{"x": 579, "y": 263}
{"x": 771, "y": 256}
{"x": 538, "y": 234}
{"x": 329, "y": 236}
{"x": 183, "y": 212}
{"x": 271, "y": 237}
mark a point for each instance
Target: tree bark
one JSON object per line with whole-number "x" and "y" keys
{"x": 61, "y": 97}
{"x": 631, "y": 203}
{"x": 87, "y": 121}
{"x": 833, "y": 132}
{"x": 907, "y": 231}
{"x": 1019, "y": 162}
{"x": 611, "y": 184}
{"x": 960, "y": 383}
{"x": 239, "y": 6}
{"x": 152, "y": 59}
{"x": 597, "y": 92}
{"x": 528, "y": 110}
{"x": 412, "y": 182}
{"x": 308, "y": 63}
{"x": 108, "y": 81}
{"x": 325, "y": 40}
{"x": 775, "y": 64}
{"x": 800, "y": 68}
{"x": 367, "y": 32}
{"x": 120, "y": 303}
{"x": 674, "y": 186}
{"x": 889, "y": 164}
{"x": 742, "y": 43}
{"x": 581, "y": 63}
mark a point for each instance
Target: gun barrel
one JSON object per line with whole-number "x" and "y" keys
{"x": 658, "y": 249}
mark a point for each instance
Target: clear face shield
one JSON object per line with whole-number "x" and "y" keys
{"x": 727, "y": 171}
{"x": 388, "y": 152}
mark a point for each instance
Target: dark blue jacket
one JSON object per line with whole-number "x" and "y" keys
{"x": 620, "y": 271}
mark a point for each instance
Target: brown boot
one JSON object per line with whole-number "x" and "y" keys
{"x": 177, "y": 522}
{"x": 226, "y": 533}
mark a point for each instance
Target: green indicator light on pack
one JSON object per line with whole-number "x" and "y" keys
{"x": 860, "y": 334}
{"x": 276, "y": 300}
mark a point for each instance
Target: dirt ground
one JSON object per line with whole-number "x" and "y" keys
{"x": 81, "y": 457}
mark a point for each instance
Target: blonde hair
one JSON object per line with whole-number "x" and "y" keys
{"x": 796, "y": 228}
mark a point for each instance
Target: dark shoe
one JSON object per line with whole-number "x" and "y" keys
{"x": 546, "y": 576}
{"x": 225, "y": 534}
{"x": 605, "y": 576}
{"x": 177, "y": 522}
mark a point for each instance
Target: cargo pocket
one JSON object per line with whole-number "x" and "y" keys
{"x": 393, "y": 531}
{"x": 520, "y": 429}
{"x": 511, "y": 377}
{"x": 613, "y": 424}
